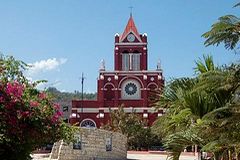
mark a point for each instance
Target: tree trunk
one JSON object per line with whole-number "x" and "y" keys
{"x": 229, "y": 154}
{"x": 217, "y": 156}
{"x": 237, "y": 155}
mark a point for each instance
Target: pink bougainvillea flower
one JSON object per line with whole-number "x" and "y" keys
{"x": 1, "y": 98}
{"x": 14, "y": 89}
{"x": 34, "y": 104}
{"x": 25, "y": 114}
{"x": 57, "y": 115}
{"x": 56, "y": 106}
{"x": 42, "y": 95}
{"x": 28, "y": 117}
{"x": 55, "y": 119}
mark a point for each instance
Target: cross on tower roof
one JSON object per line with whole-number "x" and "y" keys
{"x": 131, "y": 7}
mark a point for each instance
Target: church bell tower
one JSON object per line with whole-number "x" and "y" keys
{"x": 130, "y": 84}
{"x": 130, "y": 53}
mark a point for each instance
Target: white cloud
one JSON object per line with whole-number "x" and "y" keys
{"x": 46, "y": 65}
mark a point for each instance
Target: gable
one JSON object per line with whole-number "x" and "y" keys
{"x": 128, "y": 38}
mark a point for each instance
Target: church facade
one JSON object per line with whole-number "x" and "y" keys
{"x": 130, "y": 84}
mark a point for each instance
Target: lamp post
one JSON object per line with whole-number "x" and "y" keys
{"x": 81, "y": 105}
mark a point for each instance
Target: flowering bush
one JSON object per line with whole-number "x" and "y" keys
{"x": 28, "y": 117}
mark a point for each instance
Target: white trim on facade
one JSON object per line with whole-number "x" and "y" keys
{"x": 152, "y": 83}
{"x": 130, "y": 31}
{"x": 130, "y": 76}
{"x": 130, "y": 44}
{"x": 112, "y": 73}
{"x": 126, "y": 109}
{"x": 108, "y": 83}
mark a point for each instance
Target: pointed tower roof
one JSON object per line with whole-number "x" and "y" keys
{"x": 130, "y": 28}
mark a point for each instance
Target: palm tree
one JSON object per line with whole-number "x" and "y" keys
{"x": 211, "y": 104}
{"x": 188, "y": 104}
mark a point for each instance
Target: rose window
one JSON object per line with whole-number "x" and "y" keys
{"x": 131, "y": 88}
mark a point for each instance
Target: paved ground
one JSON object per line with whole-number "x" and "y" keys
{"x": 147, "y": 156}
{"x": 130, "y": 156}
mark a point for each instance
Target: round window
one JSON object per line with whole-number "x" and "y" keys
{"x": 130, "y": 88}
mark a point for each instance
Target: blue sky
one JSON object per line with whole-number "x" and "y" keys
{"x": 63, "y": 38}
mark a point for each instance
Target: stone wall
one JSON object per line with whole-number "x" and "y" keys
{"x": 95, "y": 144}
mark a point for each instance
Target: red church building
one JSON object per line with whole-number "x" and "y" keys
{"x": 130, "y": 83}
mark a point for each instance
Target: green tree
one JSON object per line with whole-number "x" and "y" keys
{"x": 139, "y": 136}
{"x": 207, "y": 104}
{"x": 28, "y": 117}
{"x": 189, "y": 104}
{"x": 226, "y": 30}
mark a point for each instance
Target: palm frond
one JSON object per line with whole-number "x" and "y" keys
{"x": 173, "y": 93}
{"x": 205, "y": 65}
{"x": 226, "y": 30}
{"x": 237, "y": 5}
{"x": 213, "y": 146}
{"x": 175, "y": 143}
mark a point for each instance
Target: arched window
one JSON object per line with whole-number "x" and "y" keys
{"x": 88, "y": 123}
{"x": 131, "y": 61}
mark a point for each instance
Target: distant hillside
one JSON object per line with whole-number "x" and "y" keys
{"x": 65, "y": 98}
